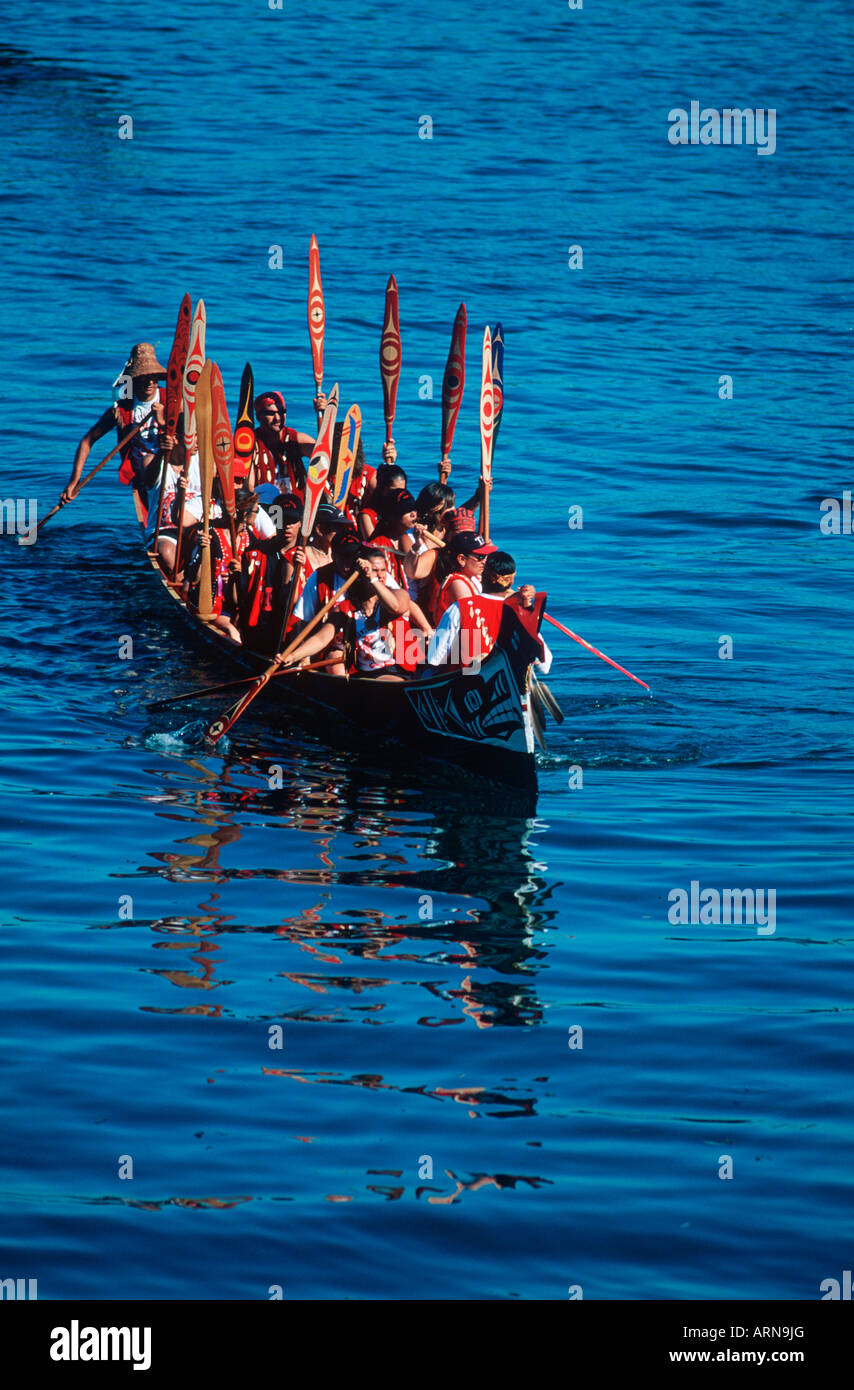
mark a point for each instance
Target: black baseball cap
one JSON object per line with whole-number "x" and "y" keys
{"x": 328, "y": 515}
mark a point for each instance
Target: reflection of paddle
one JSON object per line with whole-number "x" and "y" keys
{"x": 219, "y": 727}
{"x": 601, "y": 655}
{"x": 236, "y": 685}
{"x": 125, "y": 439}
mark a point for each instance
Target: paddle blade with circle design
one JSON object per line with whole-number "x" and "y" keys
{"x": 487, "y": 409}
{"x": 192, "y": 369}
{"x": 204, "y": 422}
{"x": 244, "y": 428}
{"x": 222, "y": 439}
{"x": 454, "y": 381}
{"x": 318, "y": 468}
{"x": 316, "y": 311}
{"x": 346, "y": 462}
{"x": 177, "y": 362}
{"x": 390, "y": 355}
{"x": 497, "y": 376}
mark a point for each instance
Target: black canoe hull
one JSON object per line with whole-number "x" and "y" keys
{"x": 474, "y": 719}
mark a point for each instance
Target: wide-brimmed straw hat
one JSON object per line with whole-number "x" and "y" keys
{"x": 143, "y": 361}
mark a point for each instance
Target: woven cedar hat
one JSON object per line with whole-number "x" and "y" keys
{"x": 143, "y": 361}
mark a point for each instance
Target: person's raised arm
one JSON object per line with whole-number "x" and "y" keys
{"x": 102, "y": 426}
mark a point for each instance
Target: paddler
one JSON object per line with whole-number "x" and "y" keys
{"x": 279, "y": 449}
{"x": 327, "y": 523}
{"x": 466, "y": 556}
{"x": 167, "y": 539}
{"x": 225, "y": 562}
{"x": 358, "y": 630}
{"x": 147, "y": 401}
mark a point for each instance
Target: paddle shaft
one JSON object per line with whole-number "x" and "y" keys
{"x": 160, "y": 491}
{"x": 125, "y": 439}
{"x": 234, "y": 685}
{"x": 595, "y": 650}
{"x": 216, "y": 730}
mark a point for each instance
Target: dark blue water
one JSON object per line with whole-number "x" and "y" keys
{"x": 163, "y": 908}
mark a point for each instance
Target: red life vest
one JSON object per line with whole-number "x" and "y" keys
{"x": 407, "y": 644}
{"x": 327, "y": 585}
{"x": 480, "y": 623}
{"x": 445, "y": 600}
{"x": 259, "y": 591}
{"x": 394, "y": 562}
{"x": 124, "y": 421}
{"x": 428, "y": 595}
{"x": 307, "y": 571}
{"x": 221, "y": 572}
{"x": 358, "y": 488}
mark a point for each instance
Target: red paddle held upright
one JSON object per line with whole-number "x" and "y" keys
{"x": 487, "y": 423}
{"x": 390, "y": 356}
{"x": 453, "y": 383}
{"x": 316, "y": 315}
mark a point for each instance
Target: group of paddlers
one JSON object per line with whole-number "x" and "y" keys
{"x": 429, "y": 589}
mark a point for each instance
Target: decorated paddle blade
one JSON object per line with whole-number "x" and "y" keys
{"x": 177, "y": 361}
{"x": 390, "y": 355}
{"x": 244, "y": 428}
{"x": 204, "y": 424}
{"x": 194, "y": 364}
{"x": 222, "y": 439}
{"x": 316, "y": 312}
{"x": 487, "y": 409}
{"x": 319, "y": 464}
{"x": 498, "y": 375}
{"x": 454, "y": 381}
{"x": 346, "y": 461}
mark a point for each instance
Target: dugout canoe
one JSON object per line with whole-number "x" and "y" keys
{"x": 482, "y": 721}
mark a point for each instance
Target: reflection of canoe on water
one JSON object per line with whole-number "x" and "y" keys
{"x": 471, "y": 718}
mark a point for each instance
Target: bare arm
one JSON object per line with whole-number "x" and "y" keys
{"x": 97, "y": 431}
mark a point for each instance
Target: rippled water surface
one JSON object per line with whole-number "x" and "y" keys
{"x": 425, "y": 1129}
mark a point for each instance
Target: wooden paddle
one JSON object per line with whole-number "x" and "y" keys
{"x": 219, "y": 727}
{"x": 125, "y": 439}
{"x": 223, "y": 449}
{"x": 316, "y": 316}
{"x": 347, "y": 448}
{"x": 498, "y": 376}
{"x": 192, "y": 370}
{"x": 174, "y": 397}
{"x": 595, "y": 650}
{"x": 236, "y": 684}
{"x": 315, "y": 486}
{"x": 390, "y": 357}
{"x": 487, "y": 422}
{"x": 453, "y": 384}
{"x": 204, "y": 414}
{"x": 244, "y": 428}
